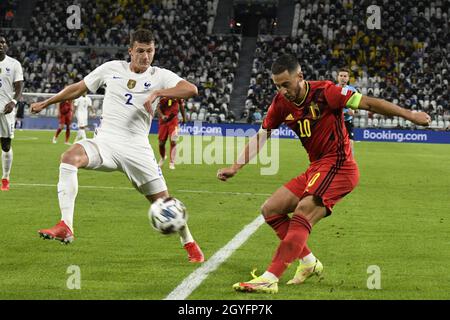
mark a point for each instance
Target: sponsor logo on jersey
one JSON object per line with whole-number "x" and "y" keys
{"x": 131, "y": 84}
{"x": 147, "y": 85}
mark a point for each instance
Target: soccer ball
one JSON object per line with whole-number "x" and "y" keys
{"x": 167, "y": 215}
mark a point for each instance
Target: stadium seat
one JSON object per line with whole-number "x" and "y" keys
{"x": 362, "y": 122}
{"x": 375, "y": 122}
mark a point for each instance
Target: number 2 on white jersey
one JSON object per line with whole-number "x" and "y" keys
{"x": 129, "y": 97}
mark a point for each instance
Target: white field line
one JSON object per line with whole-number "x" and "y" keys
{"x": 129, "y": 188}
{"x": 191, "y": 282}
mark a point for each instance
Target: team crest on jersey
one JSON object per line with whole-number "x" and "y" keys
{"x": 315, "y": 110}
{"x": 131, "y": 84}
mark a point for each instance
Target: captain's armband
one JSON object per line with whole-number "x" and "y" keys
{"x": 353, "y": 102}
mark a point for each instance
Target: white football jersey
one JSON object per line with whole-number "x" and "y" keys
{"x": 123, "y": 113}
{"x": 10, "y": 72}
{"x": 82, "y": 104}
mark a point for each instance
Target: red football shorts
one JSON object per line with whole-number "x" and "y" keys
{"x": 65, "y": 119}
{"x": 325, "y": 180}
{"x": 168, "y": 130}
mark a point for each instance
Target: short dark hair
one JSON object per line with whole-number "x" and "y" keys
{"x": 285, "y": 62}
{"x": 344, "y": 70}
{"x": 142, "y": 36}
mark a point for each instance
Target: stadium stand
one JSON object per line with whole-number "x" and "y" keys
{"x": 406, "y": 61}
{"x": 8, "y": 9}
{"x": 52, "y": 55}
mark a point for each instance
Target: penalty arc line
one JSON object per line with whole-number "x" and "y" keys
{"x": 191, "y": 282}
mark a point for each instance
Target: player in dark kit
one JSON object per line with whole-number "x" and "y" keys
{"x": 314, "y": 110}
{"x": 168, "y": 127}
{"x": 65, "y": 113}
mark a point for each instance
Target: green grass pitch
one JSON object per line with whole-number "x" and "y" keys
{"x": 397, "y": 219}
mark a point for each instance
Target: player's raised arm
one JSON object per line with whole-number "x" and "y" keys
{"x": 70, "y": 92}
{"x": 250, "y": 150}
{"x": 183, "y": 90}
{"x": 389, "y": 109}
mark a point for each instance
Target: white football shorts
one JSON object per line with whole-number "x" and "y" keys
{"x": 7, "y": 122}
{"x": 137, "y": 161}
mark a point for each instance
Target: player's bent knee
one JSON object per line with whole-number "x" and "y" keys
{"x": 75, "y": 156}
{"x": 267, "y": 209}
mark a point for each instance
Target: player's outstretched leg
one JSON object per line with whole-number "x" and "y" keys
{"x": 71, "y": 160}
{"x": 275, "y": 211}
{"x": 195, "y": 254}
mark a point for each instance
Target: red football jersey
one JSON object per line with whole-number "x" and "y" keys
{"x": 169, "y": 108}
{"x": 65, "y": 107}
{"x": 318, "y": 120}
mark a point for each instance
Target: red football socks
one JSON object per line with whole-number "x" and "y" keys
{"x": 291, "y": 246}
{"x": 280, "y": 224}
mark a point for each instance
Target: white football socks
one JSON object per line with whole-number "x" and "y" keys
{"x": 310, "y": 258}
{"x": 185, "y": 235}
{"x": 7, "y": 158}
{"x": 269, "y": 276}
{"x": 67, "y": 192}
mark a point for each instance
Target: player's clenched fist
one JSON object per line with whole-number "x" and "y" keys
{"x": 37, "y": 107}
{"x": 149, "y": 101}
{"x": 421, "y": 118}
{"x": 226, "y": 173}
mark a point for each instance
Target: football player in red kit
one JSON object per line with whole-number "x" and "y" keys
{"x": 65, "y": 113}
{"x": 168, "y": 127}
{"x": 314, "y": 111}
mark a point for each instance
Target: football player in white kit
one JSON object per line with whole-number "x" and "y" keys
{"x": 11, "y": 84}
{"x": 121, "y": 141}
{"x": 82, "y": 106}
